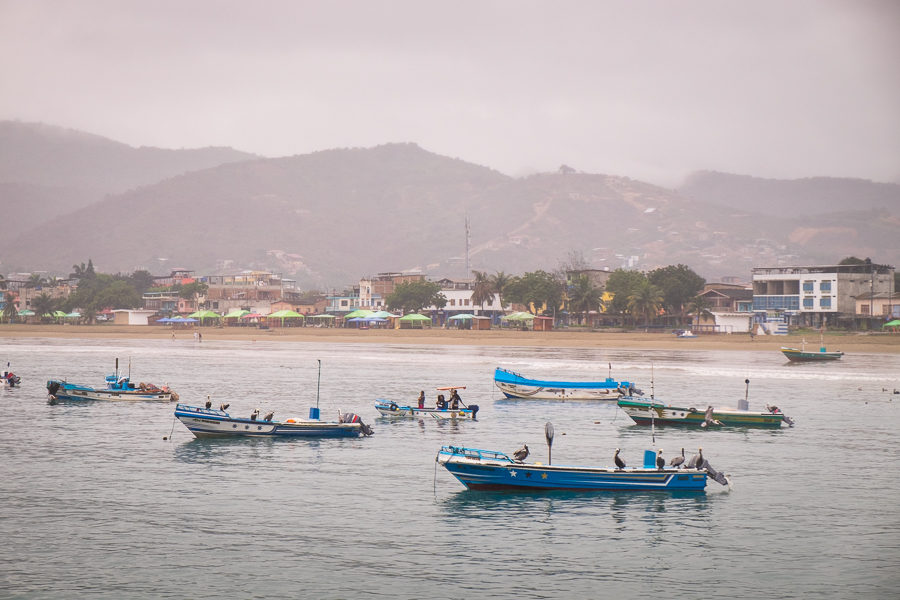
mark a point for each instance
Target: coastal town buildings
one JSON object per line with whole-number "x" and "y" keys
{"x": 811, "y": 296}
{"x": 731, "y": 306}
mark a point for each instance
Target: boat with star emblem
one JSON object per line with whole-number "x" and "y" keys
{"x": 492, "y": 470}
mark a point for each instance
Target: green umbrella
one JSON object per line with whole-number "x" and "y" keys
{"x": 204, "y": 314}
{"x": 894, "y": 323}
{"x": 26, "y": 313}
{"x": 59, "y": 314}
{"x": 462, "y": 317}
{"x": 236, "y": 314}
{"x": 518, "y": 316}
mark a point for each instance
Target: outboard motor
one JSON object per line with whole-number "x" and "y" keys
{"x": 354, "y": 418}
{"x": 52, "y": 388}
{"x": 715, "y": 475}
{"x": 474, "y": 408}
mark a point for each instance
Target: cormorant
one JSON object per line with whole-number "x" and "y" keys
{"x": 618, "y": 460}
{"x": 660, "y": 461}
{"x": 521, "y": 454}
{"x": 678, "y": 460}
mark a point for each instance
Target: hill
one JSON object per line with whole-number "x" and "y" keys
{"x": 331, "y": 217}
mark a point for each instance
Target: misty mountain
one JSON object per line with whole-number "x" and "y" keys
{"x": 793, "y": 197}
{"x": 330, "y": 217}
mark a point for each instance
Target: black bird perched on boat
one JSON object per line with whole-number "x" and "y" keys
{"x": 660, "y": 461}
{"x": 678, "y": 460}
{"x": 224, "y": 406}
{"x": 269, "y": 416}
{"x": 618, "y": 460}
{"x": 208, "y": 403}
{"x": 254, "y": 414}
{"x": 521, "y": 454}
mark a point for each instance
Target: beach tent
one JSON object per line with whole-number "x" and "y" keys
{"x": 236, "y": 314}
{"x": 25, "y": 312}
{"x": 382, "y": 314}
{"x": 464, "y": 319}
{"x": 358, "y": 313}
{"x": 414, "y": 320}
{"x": 73, "y": 315}
{"x": 518, "y": 316}
{"x": 204, "y": 315}
{"x": 285, "y": 314}
{"x": 894, "y": 323}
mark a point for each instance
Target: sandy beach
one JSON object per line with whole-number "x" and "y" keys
{"x": 847, "y": 342}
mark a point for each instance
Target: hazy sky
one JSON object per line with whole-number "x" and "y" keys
{"x": 649, "y": 89}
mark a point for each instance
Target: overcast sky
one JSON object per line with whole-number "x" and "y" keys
{"x": 648, "y": 89}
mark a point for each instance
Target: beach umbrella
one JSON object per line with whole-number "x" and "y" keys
{"x": 236, "y": 314}
{"x": 382, "y": 314}
{"x": 358, "y": 313}
{"x": 894, "y": 323}
{"x": 25, "y": 312}
{"x": 73, "y": 315}
{"x": 59, "y": 314}
{"x": 462, "y": 317}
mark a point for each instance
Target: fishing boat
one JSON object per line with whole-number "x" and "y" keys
{"x": 211, "y": 422}
{"x": 9, "y": 379}
{"x": 117, "y": 388}
{"x": 514, "y": 385}
{"x": 801, "y": 355}
{"x": 492, "y": 470}
{"x": 650, "y": 411}
{"x": 442, "y": 410}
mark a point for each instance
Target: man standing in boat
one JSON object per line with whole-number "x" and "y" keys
{"x": 454, "y": 400}
{"x": 422, "y": 399}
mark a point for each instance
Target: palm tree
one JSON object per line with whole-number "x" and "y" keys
{"x": 499, "y": 281}
{"x": 699, "y": 306}
{"x": 584, "y": 296}
{"x": 484, "y": 289}
{"x": 43, "y": 304}
{"x": 10, "y": 312}
{"x": 35, "y": 280}
{"x": 645, "y": 301}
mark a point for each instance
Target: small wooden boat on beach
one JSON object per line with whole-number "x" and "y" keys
{"x": 492, "y": 470}
{"x": 210, "y": 422}
{"x": 514, "y": 385}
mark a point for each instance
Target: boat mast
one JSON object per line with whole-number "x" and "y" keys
{"x": 318, "y": 382}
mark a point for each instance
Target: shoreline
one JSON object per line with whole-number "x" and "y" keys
{"x": 846, "y": 342}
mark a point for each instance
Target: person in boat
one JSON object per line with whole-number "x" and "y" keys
{"x": 454, "y": 400}
{"x": 441, "y": 403}
{"x": 422, "y": 399}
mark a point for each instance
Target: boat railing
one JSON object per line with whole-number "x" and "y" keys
{"x": 200, "y": 410}
{"x": 475, "y": 453}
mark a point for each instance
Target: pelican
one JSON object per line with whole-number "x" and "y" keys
{"x": 208, "y": 403}
{"x": 678, "y": 460}
{"x": 660, "y": 461}
{"x": 618, "y": 460}
{"x": 521, "y": 454}
{"x": 708, "y": 418}
{"x": 269, "y": 416}
{"x": 696, "y": 460}
{"x": 254, "y": 414}
{"x": 224, "y": 406}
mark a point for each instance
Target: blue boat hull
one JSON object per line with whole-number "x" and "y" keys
{"x": 485, "y": 470}
{"x": 65, "y": 391}
{"x": 516, "y": 386}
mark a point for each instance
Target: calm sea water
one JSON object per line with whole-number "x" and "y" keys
{"x": 94, "y": 503}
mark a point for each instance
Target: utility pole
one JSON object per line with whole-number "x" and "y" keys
{"x": 467, "y": 246}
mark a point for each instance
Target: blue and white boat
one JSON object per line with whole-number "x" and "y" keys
{"x": 491, "y": 470}
{"x": 209, "y": 422}
{"x": 387, "y": 408}
{"x": 514, "y": 385}
{"x": 117, "y": 388}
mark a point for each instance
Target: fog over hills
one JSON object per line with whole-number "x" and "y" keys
{"x": 329, "y": 217}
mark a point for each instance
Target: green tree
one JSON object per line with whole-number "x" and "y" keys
{"x": 118, "y": 294}
{"x": 645, "y": 301}
{"x": 699, "y": 307}
{"x": 35, "y": 280}
{"x": 189, "y": 291}
{"x": 43, "y": 304}
{"x": 413, "y": 296}
{"x": 10, "y": 311}
{"x": 83, "y": 272}
{"x": 142, "y": 281}
{"x": 678, "y": 284}
{"x": 622, "y": 284}
{"x": 537, "y": 288}
{"x": 584, "y": 296}
{"x": 483, "y": 290}
{"x": 499, "y": 281}
{"x": 852, "y": 260}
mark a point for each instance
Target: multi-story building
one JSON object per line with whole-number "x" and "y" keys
{"x": 813, "y": 295}
{"x": 373, "y": 291}
{"x": 731, "y": 306}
